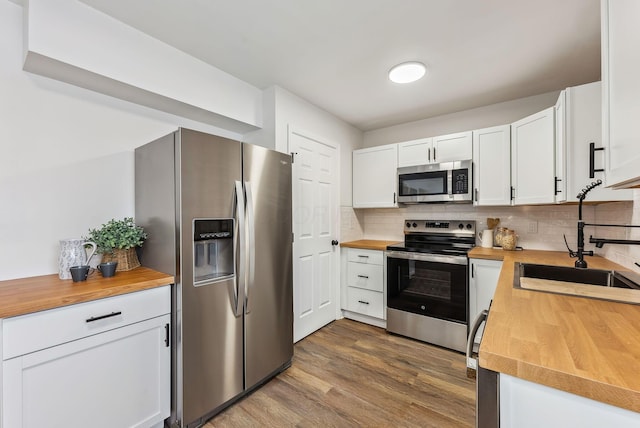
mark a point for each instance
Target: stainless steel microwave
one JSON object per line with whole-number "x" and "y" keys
{"x": 437, "y": 182}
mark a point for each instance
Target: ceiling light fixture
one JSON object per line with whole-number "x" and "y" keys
{"x": 407, "y": 72}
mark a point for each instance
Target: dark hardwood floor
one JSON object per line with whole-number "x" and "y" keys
{"x": 351, "y": 374}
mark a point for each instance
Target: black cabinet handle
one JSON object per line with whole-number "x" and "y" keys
{"x": 555, "y": 186}
{"x": 592, "y": 160}
{"x": 394, "y": 197}
{"x": 334, "y": 242}
{"x": 365, "y": 257}
{"x": 434, "y": 154}
{"x": 101, "y": 317}
{"x": 513, "y": 191}
{"x": 166, "y": 332}
{"x": 363, "y": 302}
{"x": 363, "y": 276}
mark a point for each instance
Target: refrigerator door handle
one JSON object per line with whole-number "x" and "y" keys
{"x": 239, "y": 249}
{"x": 251, "y": 266}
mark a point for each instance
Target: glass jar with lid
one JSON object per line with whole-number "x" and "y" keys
{"x": 497, "y": 238}
{"x": 509, "y": 240}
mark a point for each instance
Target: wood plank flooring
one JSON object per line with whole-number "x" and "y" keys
{"x": 350, "y": 374}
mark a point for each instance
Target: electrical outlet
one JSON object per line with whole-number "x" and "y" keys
{"x": 533, "y": 227}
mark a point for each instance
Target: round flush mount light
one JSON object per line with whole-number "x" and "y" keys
{"x": 407, "y": 72}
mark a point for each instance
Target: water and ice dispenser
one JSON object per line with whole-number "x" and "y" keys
{"x": 213, "y": 255}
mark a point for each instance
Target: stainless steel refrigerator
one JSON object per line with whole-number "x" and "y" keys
{"x": 218, "y": 215}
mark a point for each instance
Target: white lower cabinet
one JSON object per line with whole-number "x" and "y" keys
{"x": 483, "y": 280}
{"x": 525, "y": 404}
{"x": 115, "y": 373}
{"x": 363, "y": 286}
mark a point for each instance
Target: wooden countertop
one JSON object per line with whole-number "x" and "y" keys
{"x": 580, "y": 345}
{"x": 368, "y": 244}
{"x": 39, "y": 293}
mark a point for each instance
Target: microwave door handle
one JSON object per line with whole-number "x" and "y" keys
{"x": 472, "y": 363}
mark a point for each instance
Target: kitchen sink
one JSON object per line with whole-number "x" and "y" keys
{"x": 622, "y": 286}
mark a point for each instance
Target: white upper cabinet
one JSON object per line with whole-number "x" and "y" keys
{"x": 560, "y": 178}
{"x": 445, "y": 148}
{"x": 533, "y": 159}
{"x": 452, "y": 147}
{"x": 375, "y": 177}
{"x": 492, "y": 166}
{"x": 415, "y": 152}
{"x": 621, "y": 91}
{"x": 582, "y": 132}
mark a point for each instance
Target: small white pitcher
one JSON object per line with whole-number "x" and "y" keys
{"x": 72, "y": 253}
{"x": 486, "y": 238}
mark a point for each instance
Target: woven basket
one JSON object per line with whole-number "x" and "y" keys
{"x": 127, "y": 259}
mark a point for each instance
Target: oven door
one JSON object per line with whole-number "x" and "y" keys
{"x": 428, "y": 284}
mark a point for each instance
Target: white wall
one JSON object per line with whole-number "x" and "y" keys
{"x": 294, "y": 111}
{"x": 66, "y": 160}
{"x": 72, "y": 42}
{"x": 477, "y": 118}
{"x": 282, "y": 109}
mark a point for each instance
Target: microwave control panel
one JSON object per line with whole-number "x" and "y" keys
{"x": 460, "y": 181}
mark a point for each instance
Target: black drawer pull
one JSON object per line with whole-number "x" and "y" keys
{"x": 166, "y": 334}
{"x": 360, "y": 255}
{"x": 363, "y": 276}
{"x": 363, "y": 302}
{"x": 101, "y": 317}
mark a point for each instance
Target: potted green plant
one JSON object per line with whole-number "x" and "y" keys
{"x": 117, "y": 240}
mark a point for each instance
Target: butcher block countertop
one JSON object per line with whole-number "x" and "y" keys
{"x": 580, "y": 345}
{"x": 368, "y": 244}
{"x": 39, "y": 293}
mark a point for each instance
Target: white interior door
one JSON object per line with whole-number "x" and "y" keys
{"x": 315, "y": 225}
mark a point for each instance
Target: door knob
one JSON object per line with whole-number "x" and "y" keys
{"x": 334, "y": 242}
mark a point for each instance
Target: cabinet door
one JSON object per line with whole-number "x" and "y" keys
{"x": 453, "y": 147}
{"x": 583, "y": 116}
{"x": 415, "y": 152}
{"x": 621, "y": 104}
{"x": 532, "y": 158}
{"x": 120, "y": 378}
{"x": 483, "y": 279}
{"x": 492, "y": 165}
{"x": 375, "y": 177}
{"x": 560, "y": 184}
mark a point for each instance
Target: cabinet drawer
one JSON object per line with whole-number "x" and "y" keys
{"x": 365, "y": 302}
{"x": 365, "y": 276}
{"x": 373, "y": 257}
{"x": 28, "y": 333}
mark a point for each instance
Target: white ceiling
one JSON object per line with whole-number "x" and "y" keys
{"x": 336, "y": 53}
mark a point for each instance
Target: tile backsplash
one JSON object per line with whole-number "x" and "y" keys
{"x": 538, "y": 227}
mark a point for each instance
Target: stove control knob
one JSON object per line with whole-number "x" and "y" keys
{"x": 408, "y": 224}
{"x": 461, "y": 226}
{"x": 469, "y": 226}
{"x": 415, "y": 224}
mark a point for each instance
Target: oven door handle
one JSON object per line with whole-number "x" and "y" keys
{"x": 482, "y": 317}
{"x": 424, "y": 257}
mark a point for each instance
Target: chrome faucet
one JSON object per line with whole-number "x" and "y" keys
{"x": 581, "y": 262}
